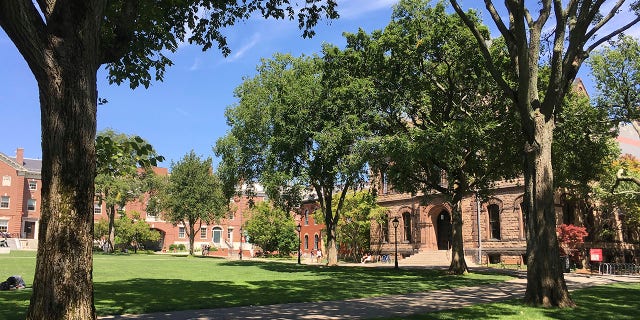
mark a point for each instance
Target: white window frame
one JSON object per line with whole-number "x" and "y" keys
{"x": 4, "y": 225}
{"x": 5, "y": 202}
{"x": 33, "y": 185}
{"x": 213, "y": 234}
{"x": 230, "y": 234}
{"x": 97, "y": 208}
{"x": 181, "y": 232}
{"x": 31, "y": 205}
{"x": 6, "y": 181}
{"x": 203, "y": 232}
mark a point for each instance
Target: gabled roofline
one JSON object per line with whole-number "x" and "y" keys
{"x": 21, "y": 170}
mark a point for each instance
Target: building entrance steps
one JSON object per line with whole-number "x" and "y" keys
{"x": 383, "y": 306}
{"x": 428, "y": 258}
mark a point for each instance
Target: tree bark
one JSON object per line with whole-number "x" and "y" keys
{"x": 332, "y": 250}
{"x": 458, "y": 263}
{"x": 63, "y": 56}
{"x": 63, "y": 287}
{"x": 545, "y": 280}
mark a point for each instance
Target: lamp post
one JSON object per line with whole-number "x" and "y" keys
{"x": 241, "y": 243}
{"x": 299, "y": 228}
{"x": 396, "y": 222}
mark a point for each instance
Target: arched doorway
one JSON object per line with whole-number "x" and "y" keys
{"x": 155, "y": 245}
{"x": 444, "y": 230}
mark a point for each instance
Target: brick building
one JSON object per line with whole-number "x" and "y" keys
{"x": 20, "y": 212}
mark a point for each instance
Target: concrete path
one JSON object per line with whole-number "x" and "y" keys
{"x": 384, "y": 306}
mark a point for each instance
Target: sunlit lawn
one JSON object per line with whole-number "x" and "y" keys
{"x": 149, "y": 283}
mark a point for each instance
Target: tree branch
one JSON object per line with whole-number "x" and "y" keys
{"x": 613, "y": 34}
{"x": 23, "y": 24}
{"x": 620, "y": 178}
{"x": 485, "y": 50}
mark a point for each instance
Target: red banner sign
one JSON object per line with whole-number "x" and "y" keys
{"x": 595, "y": 255}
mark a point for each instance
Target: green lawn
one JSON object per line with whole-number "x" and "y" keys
{"x": 149, "y": 283}
{"x": 618, "y": 301}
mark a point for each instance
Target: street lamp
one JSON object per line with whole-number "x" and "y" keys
{"x": 298, "y": 228}
{"x": 240, "y": 243}
{"x": 396, "y": 222}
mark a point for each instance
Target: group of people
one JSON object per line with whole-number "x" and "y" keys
{"x": 13, "y": 283}
{"x": 367, "y": 257}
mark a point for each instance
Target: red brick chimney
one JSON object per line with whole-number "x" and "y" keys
{"x": 20, "y": 156}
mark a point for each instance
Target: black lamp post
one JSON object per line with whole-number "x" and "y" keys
{"x": 240, "y": 251}
{"x": 298, "y": 228}
{"x": 396, "y": 222}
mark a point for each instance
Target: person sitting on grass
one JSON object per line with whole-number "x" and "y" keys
{"x": 13, "y": 283}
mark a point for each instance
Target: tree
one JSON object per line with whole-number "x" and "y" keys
{"x": 193, "y": 196}
{"x": 444, "y": 108}
{"x": 570, "y": 238}
{"x": 133, "y": 231}
{"x": 354, "y": 229}
{"x": 576, "y": 30}
{"x": 299, "y": 123}
{"x": 272, "y": 229}
{"x": 118, "y": 179}
{"x": 64, "y": 43}
{"x": 616, "y": 70}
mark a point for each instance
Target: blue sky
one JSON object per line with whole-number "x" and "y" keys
{"x": 186, "y": 111}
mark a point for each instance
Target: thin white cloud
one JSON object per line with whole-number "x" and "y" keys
{"x": 237, "y": 54}
{"x": 351, "y": 9}
{"x": 197, "y": 62}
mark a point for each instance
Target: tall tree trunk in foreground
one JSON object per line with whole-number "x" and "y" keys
{"x": 545, "y": 280}
{"x": 458, "y": 263}
{"x": 63, "y": 56}
{"x": 63, "y": 287}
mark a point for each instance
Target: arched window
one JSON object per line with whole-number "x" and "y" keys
{"x": 316, "y": 241}
{"x": 406, "y": 220}
{"x": 217, "y": 235}
{"x": 306, "y": 217}
{"x": 494, "y": 221}
{"x": 306, "y": 242}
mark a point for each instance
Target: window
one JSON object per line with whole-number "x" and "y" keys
{"x": 306, "y": 217}
{"x": 181, "y": 233}
{"x": 316, "y": 241}
{"x": 306, "y": 242}
{"x": 33, "y": 185}
{"x": 4, "y": 202}
{"x": 217, "y": 235}
{"x": 97, "y": 208}
{"x": 494, "y": 221}
{"x": 4, "y": 225}
{"x": 31, "y": 204}
{"x": 6, "y": 181}
{"x": 203, "y": 232}
{"x": 406, "y": 220}
{"x": 231, "y": 215}
{"x": 230, "y": 234}
{"x": 384, "y": 227}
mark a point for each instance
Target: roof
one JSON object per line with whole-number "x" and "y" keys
{"x": 30, "y": 168}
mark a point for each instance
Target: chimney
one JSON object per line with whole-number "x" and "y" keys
{"x": 20, "y": 156}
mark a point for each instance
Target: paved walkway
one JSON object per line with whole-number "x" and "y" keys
{"x": 384, "y": 306}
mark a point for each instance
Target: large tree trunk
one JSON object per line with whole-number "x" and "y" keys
{"x": 63, "y": 56}
{"x": 63, "y": 287}
{"x": 458, "y": 263}
{"x": 545, "y": 280}
{"x": 332, "y": 248}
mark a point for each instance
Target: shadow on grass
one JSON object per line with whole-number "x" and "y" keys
{"x": 308, "y": 283}
{"x": 621, "y": 301}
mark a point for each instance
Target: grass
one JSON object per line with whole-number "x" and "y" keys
{"x": 617, "y": 301}
{"x": 150, "y": 283}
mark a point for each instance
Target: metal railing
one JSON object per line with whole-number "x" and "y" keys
{"x": 619, "y": 268}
